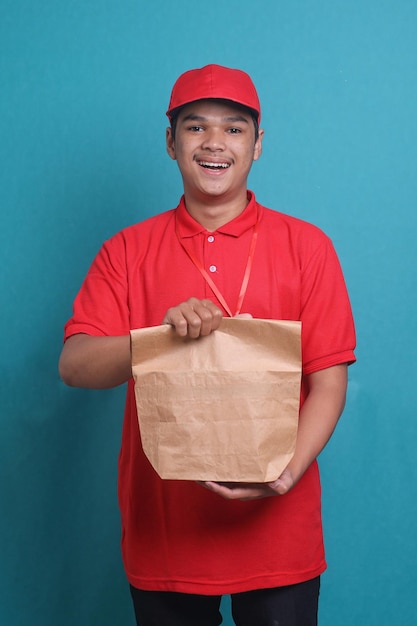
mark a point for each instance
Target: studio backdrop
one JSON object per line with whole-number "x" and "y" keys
{"x": 84, "y": 85}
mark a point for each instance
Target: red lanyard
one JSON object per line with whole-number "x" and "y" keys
{"x": 209, "y": 280}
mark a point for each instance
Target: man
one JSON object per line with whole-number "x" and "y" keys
{"x": 218, "y": 253}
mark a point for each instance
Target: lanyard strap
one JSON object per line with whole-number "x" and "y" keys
{"x": 210, "y": 281}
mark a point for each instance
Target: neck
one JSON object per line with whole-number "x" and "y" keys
{"x": 212, "y": 213}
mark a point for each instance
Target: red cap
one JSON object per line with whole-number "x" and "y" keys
{"x": 214, "y": 81}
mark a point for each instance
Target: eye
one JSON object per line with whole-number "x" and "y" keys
{"x": 234, "y": 131}
{"x": 195, "y": 129}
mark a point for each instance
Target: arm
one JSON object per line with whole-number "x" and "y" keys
{"x": 318, "y": 418}
{"x": 103, "y": 362}
{"x": 95, "y": 362}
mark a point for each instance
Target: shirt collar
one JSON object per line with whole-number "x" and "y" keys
{"x": 188, "y": 226}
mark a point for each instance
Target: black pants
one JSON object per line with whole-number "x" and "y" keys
{"x": 295, "y": 605}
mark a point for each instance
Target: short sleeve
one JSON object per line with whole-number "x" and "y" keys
{"x": 328, "y": 333}
{"x": 101, "y": 306}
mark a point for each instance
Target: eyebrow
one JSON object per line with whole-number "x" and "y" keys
{"x": 193, "y": 117}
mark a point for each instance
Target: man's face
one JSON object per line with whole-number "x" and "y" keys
{"x": 214, "y": 147}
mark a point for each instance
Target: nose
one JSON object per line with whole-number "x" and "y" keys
{"x": 213, "y": 139}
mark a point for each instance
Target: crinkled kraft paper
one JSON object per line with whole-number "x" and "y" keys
{"x": 223, "y": 407}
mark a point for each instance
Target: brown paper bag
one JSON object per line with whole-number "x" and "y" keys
{"x": 222, "y": 407}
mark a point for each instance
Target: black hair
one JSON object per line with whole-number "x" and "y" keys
{"x": 254, "y": 115}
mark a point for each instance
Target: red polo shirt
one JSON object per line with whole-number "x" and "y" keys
{"x": 176, "y": 535}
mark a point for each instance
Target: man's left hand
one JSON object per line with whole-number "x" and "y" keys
{"x": 251, "y": 491}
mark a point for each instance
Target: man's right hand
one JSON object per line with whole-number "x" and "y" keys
{"x": 194, "y": 318}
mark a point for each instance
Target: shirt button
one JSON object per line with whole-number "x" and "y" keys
{"x": 210, "y": 239}
{"x": 213, "y": 268}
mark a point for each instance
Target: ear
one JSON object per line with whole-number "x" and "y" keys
{"x": 170, "y": 143}
{"x": 257, "y": 151}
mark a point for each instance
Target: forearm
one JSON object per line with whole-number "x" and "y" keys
{"x": 319, "y": 416}
{"x": 95, "y": 362}
{"x": 104, "y": 362}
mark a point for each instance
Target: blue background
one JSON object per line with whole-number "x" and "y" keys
{"x": 84, "y": 87}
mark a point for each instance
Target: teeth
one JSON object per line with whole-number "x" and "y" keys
{"x": 214, "y": 166}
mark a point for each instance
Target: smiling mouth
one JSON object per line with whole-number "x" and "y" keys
{"x": 214, "y": 166}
